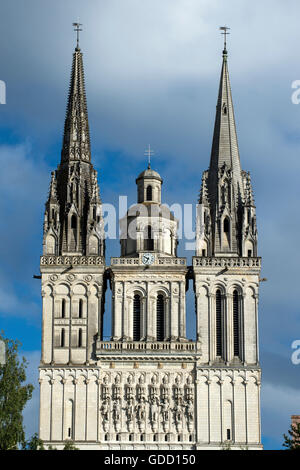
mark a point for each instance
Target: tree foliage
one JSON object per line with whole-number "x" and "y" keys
{"x": 14, "y": 394}
{"x": 35, "y": 443}
{"x": 292, "y": 441}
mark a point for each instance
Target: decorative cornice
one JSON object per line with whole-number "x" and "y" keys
{"x": 72, "y": 260}
{"x": 226, "y": 262}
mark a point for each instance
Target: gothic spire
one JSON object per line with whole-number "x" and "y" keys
{"x": 76, "y": 140}
{"x": 73, "y": 216}
{"x": 226, "y": 218}
{"x": 225, "y": 150}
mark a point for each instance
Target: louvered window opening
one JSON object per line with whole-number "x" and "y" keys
{"x": 160, "y": 314}
{"x": 236, "y": 326}
{"x": 136, "y": 318}
{"x": 149, "y": 193}
{"x": 218, "y": 324}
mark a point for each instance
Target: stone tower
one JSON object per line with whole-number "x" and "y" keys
{"x": 148, "y": 366}
{"x": 149, "y": 387}
{"x": 226, "y": 283}
{"x": 72, "y": 272}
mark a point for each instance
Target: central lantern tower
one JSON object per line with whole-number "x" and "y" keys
{"x": 149, "y": 365}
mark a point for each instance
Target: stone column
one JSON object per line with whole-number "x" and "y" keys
{"x": 144, "y": 317}
{"x": 242, "y": 325}
{"x": 168, "y": 315}
{"x": 212, "y": 327}
{"x": 129, "y": 308}
{"x": 229, "y": 328}
{"x": 182, "y": 331}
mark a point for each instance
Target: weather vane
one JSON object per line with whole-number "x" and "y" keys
{"x": 225, "y": 32}
{"x": 77, "y": 29}
{"x": 148, "y": 153}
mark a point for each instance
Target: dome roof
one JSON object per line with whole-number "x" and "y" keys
{"x": 148, "y": 174}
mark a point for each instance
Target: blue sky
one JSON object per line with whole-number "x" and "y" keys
{"x": 152, "y": 71}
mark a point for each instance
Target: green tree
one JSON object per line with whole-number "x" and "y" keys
{"x": 14, "y": 394}
{"x": 35, "y": 443}
{"x": 69, "y": 445}
{"x": 292, "y": 442}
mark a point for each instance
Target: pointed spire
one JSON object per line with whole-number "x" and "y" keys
{"x": 53, "y": 188}
{"x": 76, "y": 140}
{"x": 225, "y": 144}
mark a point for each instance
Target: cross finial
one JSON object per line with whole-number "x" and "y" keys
{"x": 77, "y": 29}
{"x": 148, "y": 153}
{"x": 224, "y": 30}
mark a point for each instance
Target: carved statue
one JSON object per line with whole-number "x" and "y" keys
{"x": 105, "y": 415}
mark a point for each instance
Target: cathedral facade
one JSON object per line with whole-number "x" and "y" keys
{"x": 149, "y": 386}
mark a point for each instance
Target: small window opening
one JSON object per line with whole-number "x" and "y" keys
{"x": 149, "y": 193}
{"x": 80, "y": 338}
{"x": 80, "y": 308}
{"x": 74, "y": 222}
{"x": 226, "y": 226}
{"x": 228, "y": 435}
{"x": 249, "y": 253}
{"x": 63, "y": 308}
{"x": 62, "y": 338}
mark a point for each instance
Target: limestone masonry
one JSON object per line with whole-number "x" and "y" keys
{"x": 149, "y": 387}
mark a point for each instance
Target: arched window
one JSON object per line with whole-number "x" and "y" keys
{"x": 63, "y": 308}
{"x": 130, "y": 437}
{"x": 117, "y": 437}
{"x": 80, "y": 337}
{"x": 160, "y": 318}
{"x": 80, "y": 309}
{"x": 149, "y": 242}
{"x": 236, "y": 324}
{"x": 155, "y": 438}
{"x": 62, "y": 338}
{"x": 136, "y": 317}
{"x": 218, "y": 324}
{"x": 149, "y": 193}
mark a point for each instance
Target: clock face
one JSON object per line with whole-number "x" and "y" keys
{"x": 148, "y": 259}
